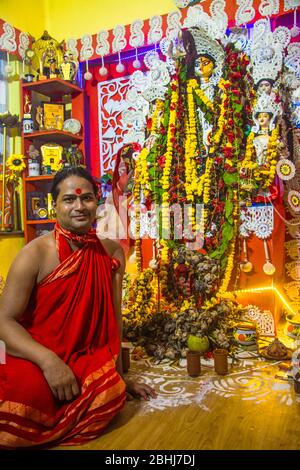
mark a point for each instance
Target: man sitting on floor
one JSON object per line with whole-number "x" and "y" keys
{"x": 60, "y": 319}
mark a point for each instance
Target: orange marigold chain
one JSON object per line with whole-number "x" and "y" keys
{"x": 144, "y": 171}
{"x": 272, "y": 154}
{"x": 190, "y": 146}
{"x": 215, "y": 140}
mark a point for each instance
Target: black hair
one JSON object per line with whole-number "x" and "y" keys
{"x": 208, "y": 56}
{"x": 191, "y": 53}
{"x": 269, "y": 80}
{"x": 259, "y": 112}
{"x": 61, "y": 175}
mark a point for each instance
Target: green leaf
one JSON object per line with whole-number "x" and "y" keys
{"x": 230, "y": 178}
{"x": 227, "y": 231}
{"x": 227, "y": 235}
{"x": 152, "y": 171}
{"x": 228, "y": 208}
{"x": 238, "y": 107}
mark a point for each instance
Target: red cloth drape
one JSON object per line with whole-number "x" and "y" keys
{"x": 70, "y": 312}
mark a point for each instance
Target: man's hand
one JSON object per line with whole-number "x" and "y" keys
{"x": 60, "y": 378}
{"x": 139, "y": 390}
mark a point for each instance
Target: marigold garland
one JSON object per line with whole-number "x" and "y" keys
{"x": 266, "y": 172}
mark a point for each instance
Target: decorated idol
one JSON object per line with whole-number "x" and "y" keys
{"x": 205, "y": 59}
{"x": 266, "y": 51}
{"x": 265, "y": 113}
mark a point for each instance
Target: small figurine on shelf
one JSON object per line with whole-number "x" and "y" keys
{"x": 39, "y": 117}
{"x": 27, "y": 119}
{"x": 33, "y": 161}
{"x": 68, "y": 68}
{"x": 49, "y": 63}
{"x": 29, "y": 54}
{"x": 72, "y": 156}
{"x": 27, "y": 105}
{"x": 50, "y": 208}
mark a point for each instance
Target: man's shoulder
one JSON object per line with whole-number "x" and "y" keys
{"x": 111, "y": 246}
{"x": 39, "y": 244}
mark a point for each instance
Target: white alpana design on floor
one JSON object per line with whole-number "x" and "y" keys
{"x": 252, "y": 380}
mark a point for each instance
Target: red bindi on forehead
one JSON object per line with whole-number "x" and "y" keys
{"x": 78, "y": 191}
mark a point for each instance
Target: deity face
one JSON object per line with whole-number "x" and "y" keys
{"x": 264, "y": 87}
{"x": 76, "y": 204}
{"x": 204, "y": 67}
{"x": 264, "y": 120}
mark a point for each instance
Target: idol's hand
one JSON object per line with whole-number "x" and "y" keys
{"x": 60, "y": 378}
{"x": 139, "y": 390}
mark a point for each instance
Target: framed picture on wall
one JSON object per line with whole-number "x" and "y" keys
{"x": 36, "y": 205}
{"x": 54, "y": 115}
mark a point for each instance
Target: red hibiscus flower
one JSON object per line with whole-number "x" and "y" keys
{"x": 162, "y": 161}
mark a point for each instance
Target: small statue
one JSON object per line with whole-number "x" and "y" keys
{"x": 47, "y": 53}
{"x": 72, "y": 155}
{"x": 204, "y": 61}
{"x": 265, "y": 85}
{"x": 265, "y": 113}
{"x": 68, "y": 68}
{"x": 33, "y": 153}
{"x": 27, "y": 106}
{"x": 39, "y": 117}
{"x": 49, "y": 63}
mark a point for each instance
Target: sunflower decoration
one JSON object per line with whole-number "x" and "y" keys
{"x": 294, "y": 200}
{"x": 285, "y": 169}
{"x": 15, "y": 165}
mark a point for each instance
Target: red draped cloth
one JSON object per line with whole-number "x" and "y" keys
{"x": 70, "y": 312}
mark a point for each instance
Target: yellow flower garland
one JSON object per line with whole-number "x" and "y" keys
{"x": 159, "y": 106}
{"x": 190, "y": 146}
{"x": 196, "y": 87}
{"x": 267, "y": 172}
{"x": 142, "y": 170}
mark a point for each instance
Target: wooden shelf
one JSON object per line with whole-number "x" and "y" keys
{"x": 58, "y": 136}
{"x": 12, "y": 233}
{"x": 40, "y": 221}
{"x": 39, "y": 178}
{"x": 53, "y": 87}
{"x": 56, "y": 90}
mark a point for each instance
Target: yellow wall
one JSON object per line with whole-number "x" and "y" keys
{"x": 28, "y": 16}
{"x": 73, "y": 18}
{"x": 10, "y": 245}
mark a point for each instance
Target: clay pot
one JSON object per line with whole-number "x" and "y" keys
{"x": 193, "y": 363}
{"x": 245, "y": 334}
{"x": 293, "y": 326}
{"x": 221, "y": 361}
{"x": 125, "y": 359}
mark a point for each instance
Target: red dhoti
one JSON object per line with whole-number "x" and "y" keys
{"x": 70, "y": 312}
